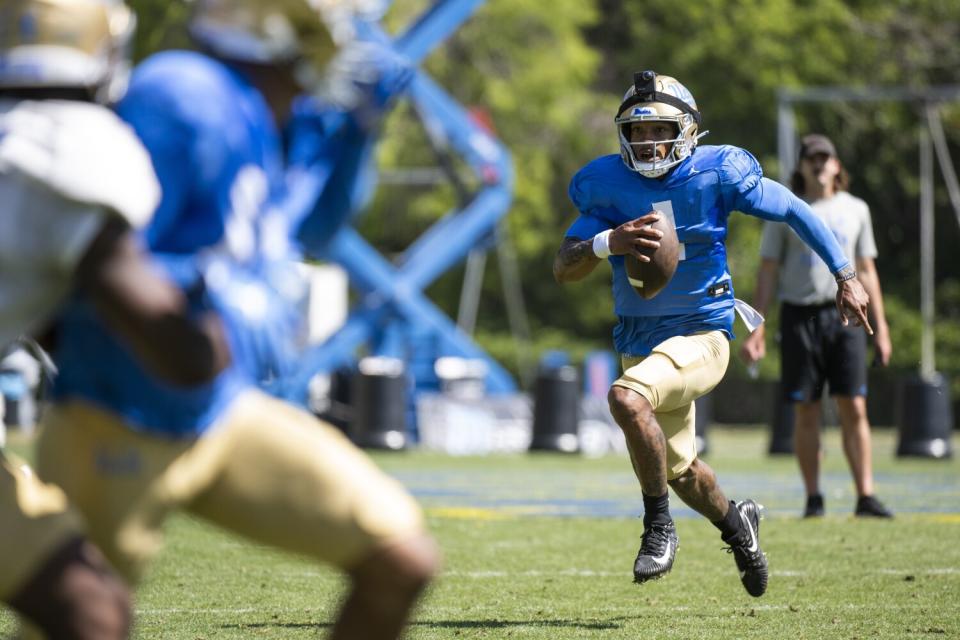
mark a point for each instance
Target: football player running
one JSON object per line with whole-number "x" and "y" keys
{"x": 75, "y": 183}
{"x": 129, "y": 449}
{"x": 674, "y": 347}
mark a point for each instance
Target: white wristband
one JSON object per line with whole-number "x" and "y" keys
{"x": 601, "y": 244}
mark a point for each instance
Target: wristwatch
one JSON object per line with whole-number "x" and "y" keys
{"x": 846, "y": 273}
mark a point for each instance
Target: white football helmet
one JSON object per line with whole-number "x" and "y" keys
{"x": 655, "y": 98}
{"x": 303, "y": 33}
{"x": 66, "y": 44}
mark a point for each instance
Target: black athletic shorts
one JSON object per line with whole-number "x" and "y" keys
{"x": 816, "y": 349}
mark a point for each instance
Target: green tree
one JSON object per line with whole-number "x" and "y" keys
{"x": 735, "y": 56}
{"x": 531, "y": 70}
{"x": 550, "y": 77}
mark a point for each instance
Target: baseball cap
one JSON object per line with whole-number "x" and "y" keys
{"x": 815, "y": 143}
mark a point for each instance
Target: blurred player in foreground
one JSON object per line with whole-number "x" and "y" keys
{"x": 815, "y": 347}
{"x": 129, "y": 449}
{"x": 674, "y": 347}
{"x": 74, "y": 183}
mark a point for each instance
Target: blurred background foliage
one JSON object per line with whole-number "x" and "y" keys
{"x": 548, "y": 78}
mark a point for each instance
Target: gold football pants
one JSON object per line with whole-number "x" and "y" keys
{"x": 677, "y": 372}
{"x": 266, "y": 470}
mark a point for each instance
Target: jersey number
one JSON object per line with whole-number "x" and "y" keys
{"x": 666, "y": 207}
{"x": 247, "y": 195}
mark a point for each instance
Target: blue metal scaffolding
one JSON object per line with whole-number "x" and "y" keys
{"x": 329, "y": 183}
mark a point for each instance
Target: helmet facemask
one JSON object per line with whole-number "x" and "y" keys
{"x": 655, "y": 98}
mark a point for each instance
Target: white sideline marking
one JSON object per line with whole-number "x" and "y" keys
{"x": 534, "y": 573}
{"x": 592, "y": 573}
{"x": 572, "y": 572}
{"x": 927, "y": 572}
{"x": 785, "y": 573}
{"x": 519, "y": 610}
{"x": 597, "y": 612}
{"x": 562, "y": 572}
{"x": 169, "y": 610}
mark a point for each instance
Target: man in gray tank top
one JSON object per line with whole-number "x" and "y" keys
{"x": 816, "y": 348}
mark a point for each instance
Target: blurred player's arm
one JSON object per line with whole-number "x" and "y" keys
{"x": 867, "y": 274}
{"x": 754, "y": 346}
{"x": 148, "y": 311}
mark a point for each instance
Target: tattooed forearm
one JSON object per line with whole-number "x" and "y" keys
{"x": 575, "y": 260}
{"x": 574, "y": 251}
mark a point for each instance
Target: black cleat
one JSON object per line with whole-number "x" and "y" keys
{"x": 870, "y": 507}
{"x": 814, "y": 508}
{"x": 657, "y": 551}
{"x": 745, "y": 547}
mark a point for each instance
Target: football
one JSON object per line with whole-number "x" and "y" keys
{"x": 649, "y": 278}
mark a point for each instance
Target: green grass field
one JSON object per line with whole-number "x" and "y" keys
{"x": 542, "y": 547}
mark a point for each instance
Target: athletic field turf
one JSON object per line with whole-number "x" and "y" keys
{"x": 541, "y": 547}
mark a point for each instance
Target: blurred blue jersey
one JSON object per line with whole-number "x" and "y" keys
{"x": 221, "y": 231}
{"x": 333, "y": 151}
{"x": 699, "y": 195}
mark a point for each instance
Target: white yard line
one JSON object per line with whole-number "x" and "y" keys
{"x": 593, "y": 573}
{"x": 785, "y": 573}
{"x": 179, "y": 610}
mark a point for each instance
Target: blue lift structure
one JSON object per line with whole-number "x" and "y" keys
{"x": 393, "y": 317}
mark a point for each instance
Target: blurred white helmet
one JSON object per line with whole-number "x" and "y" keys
{"x": 656, "y": 98}
{"x": 280, "y": 31}
{"x": 308, "y": 35}
{"x": 66, "y": 44}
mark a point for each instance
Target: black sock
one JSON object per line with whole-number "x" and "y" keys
{"x": 731, "y": 523}
{"x": 656, "y": 509}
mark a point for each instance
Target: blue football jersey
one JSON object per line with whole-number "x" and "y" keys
{"x": 698, "y": 195}
{"x": 220, "y": 232}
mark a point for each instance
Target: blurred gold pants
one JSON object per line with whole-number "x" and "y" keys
{"x": 266, "y": 470}
{"x": 35, "y": 521}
